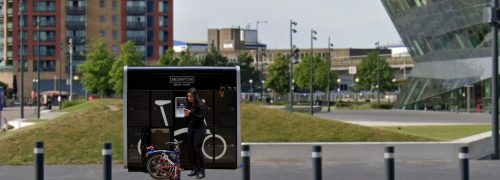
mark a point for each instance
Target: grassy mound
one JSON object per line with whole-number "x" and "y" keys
{"x": 77, "y": 138}
{"x": 268, "y": 125}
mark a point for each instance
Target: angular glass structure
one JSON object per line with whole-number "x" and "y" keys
{"x": 450, "y": 41}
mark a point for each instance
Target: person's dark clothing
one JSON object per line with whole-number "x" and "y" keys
{"x": 196, "y": 134}
{"x": 197, "y": 116}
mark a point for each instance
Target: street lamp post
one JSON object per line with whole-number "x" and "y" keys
{"x": 21, "y": 10}
{"x": 262, "y": 92}
{"x": 292, "y": 31}
{"x": 313, "y": 32}
{"x": 355, "y": 92}
{"x": 377, "y": 44}
{"x": 330, "y": 45}
{"x": 494, "y": 81}
{"x": 38, "y": 65}
{"x": 70, "y": 68}
{"x": 59, "y": 98}
{"x": 338, "y": 87}
{"x": 251, "y": 85}
{"x": 257, "y": 55}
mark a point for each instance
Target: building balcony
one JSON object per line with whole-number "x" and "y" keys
{"x": 78, "y": 56}
{"x": 136, "y": 10}
{"x": 80, "y": 10}
{"x": 75, "y": 25}
{"x": 137, "y": 40}
{"x": 135, "y": 25}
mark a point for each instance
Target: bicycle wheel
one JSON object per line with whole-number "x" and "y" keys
{"x": 153, "y": 166}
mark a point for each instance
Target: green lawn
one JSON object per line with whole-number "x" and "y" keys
{"x": 77, "y": 137}
{"x": 271, "y": 125}
{"x": 443, "y": 133}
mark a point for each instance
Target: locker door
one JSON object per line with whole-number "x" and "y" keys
{"x": 138, "y": 108}
{"x": 225, "y": 140}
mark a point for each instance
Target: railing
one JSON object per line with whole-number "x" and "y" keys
{"x": 135, "y": 25}
{"x": 136, "y": 10}
{"x": 79, "y": 10}
{"x": 75, "y": 24}
{"x": 138, "y": 40}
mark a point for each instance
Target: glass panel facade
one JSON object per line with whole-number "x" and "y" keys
{"x": 450, "y": 41}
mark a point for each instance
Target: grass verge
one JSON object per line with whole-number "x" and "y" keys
{"x": 77, "y": 137}
{"x": 269, "y": 125}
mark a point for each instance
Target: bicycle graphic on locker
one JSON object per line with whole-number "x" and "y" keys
{"x": 209, "y": 134}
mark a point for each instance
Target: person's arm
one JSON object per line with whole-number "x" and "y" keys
{"x": 198, "y": 112}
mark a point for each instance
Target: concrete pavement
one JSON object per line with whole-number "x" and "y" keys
{"x": 407, "y": 170}
{"x": 405, "y": 117}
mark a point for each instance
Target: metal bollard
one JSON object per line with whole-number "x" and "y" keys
{"x": 107, "y": 156}
{"x": 38, "y": 151}
{"x": 316, "y": 157}
{"x": 245, "y": 155}
{"x": 389, "y": 162}
{"x": 463, "y": 157}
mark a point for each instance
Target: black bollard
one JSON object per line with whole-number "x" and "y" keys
{"x": 316, "y": 157}
{"x": 107, "y": 156}
{"x": 389, "y": 162}
{"x": 245, "y": 155}
{"x": 463, "y": 157}
{"x": 38, "y": 151}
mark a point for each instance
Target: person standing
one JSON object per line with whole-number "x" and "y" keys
{"x": 194, "y": 113}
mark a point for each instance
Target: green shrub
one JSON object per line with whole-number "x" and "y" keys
{"x": 343, "y": 105}
{"x": 381, "y": 106}
{"x": 67, "y": 104}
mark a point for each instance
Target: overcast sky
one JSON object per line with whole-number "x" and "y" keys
{"x": 350, "y": 23}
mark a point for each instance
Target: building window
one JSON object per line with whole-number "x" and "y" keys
{"x": 115, "y": 5}
{"x": 115, "y": 50}
{"x": 45, "y": 50}
{"x": 163, "y": 7}
{"x": 46, "y": 66}
{"x": 151, "y": 21}
{"x": 150, "y": 51}
{"x": 151, "y": 36}
{"x": 102, "y": 33}
{"x": 163, "y": 36}
{"x": 114, "y": 20}
{"x": 102, "y": 3}
{"x": 102, "y": 18}
{"x": 163, "y": 22}
{"x": 115, "y": 34}
{"x": 150, "y": 6}
{"x": 24, "y": 66}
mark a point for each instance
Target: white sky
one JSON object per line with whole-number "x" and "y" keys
{"x": 350, "y": 23}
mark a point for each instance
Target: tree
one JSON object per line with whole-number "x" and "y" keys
{"x": 186, "y": 59}
{"x": 374, "y": 70}
{"x": 215, "y": 58}
{"x": 96, "y": 69}
{"x": 248, "y": 71}
{"x": 279, "y": 75}
{"x": 320, "y": 74}
{"x": 168, "y": 59}
{"x": 129, "y": 56}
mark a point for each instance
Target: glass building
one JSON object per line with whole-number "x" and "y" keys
{"x": 450, "y": 41}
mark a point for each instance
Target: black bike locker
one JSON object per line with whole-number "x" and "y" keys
{"x": 148, "y": 90}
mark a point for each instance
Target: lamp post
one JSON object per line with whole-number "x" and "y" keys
{"x": 76, "y": 78}
{"x": 59, "y": 98}
{"x": 338, "y": 87}
{"x": 355, "y": 92}
{"x": 262, "y": 92}
{"x": 494, "y": 81}
{"x": 251, "y": 85}
{"x": 313, "y": 32}
{"x": 292, "y": 31}
{"x": 377, "y": 44}
{"x": 70, "y": 69}
{"x": 38, "y": 65}
{"x": 257, "y": 55}
{"x": 330, "y": 45}
{"x": 21, "y": 10}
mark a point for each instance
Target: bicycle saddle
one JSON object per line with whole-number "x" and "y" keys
{"x": 162, "y": 102}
